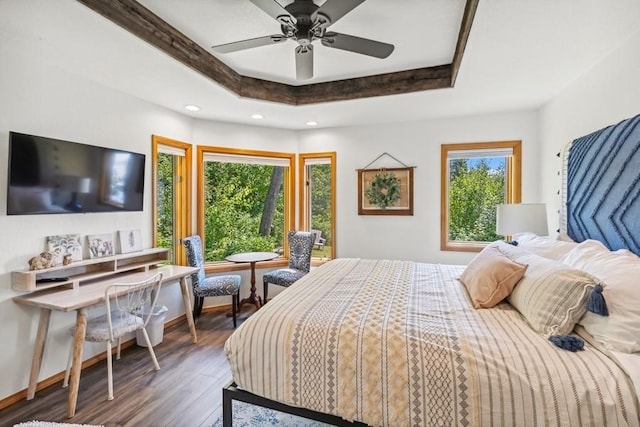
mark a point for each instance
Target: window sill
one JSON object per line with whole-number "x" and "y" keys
{"x": 317, "y": 262}
{"x": 463, "y": 246}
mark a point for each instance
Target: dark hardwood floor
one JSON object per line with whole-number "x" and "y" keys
{"x": 186, "y": 391}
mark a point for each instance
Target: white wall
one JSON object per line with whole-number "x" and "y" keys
{"x": 41, "y": 99}
{"x": 417, "y": 144}
{"x": 44, "y": 100}
{"x": 602, "y": 96}
{"x": 238, "y": 136}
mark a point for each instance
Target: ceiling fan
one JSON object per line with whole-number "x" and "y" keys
{"x": 305, "y": 22}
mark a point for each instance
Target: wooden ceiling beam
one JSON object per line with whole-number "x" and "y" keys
{"x": 140, "y": 21}
{"x": 463, "y": 35}
{"x": 378, "y": 85}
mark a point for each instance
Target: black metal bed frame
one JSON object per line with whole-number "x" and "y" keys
{"x": 231, "y": 392}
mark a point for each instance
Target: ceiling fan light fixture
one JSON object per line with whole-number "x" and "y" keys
{"x": 303, "y": 21}
{"x": 192, "y": 107}
{"x": 257, "y": 116}
{"x": 312, "y": 123}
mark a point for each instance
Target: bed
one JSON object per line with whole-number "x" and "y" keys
{"x": 400, "y": 343}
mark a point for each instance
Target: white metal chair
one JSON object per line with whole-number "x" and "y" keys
{"x": 318, "y": 240}
{"x": 129, "y": 307}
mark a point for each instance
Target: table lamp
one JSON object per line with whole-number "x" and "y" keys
{"x": 521, "y": 218}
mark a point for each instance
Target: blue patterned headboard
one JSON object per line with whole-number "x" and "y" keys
{"x": 602, "y": 187}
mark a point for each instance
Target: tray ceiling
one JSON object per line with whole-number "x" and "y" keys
{"x": 420, "y": 62}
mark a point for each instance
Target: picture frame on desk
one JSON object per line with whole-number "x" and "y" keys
{"x": 64, "y": 244}
{"x": 100, "y": 245}
{"x": 130, "y": 240}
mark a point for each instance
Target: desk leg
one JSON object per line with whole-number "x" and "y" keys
{"x": 76, "y": 365}
{"x": 38, "y": 351}
{"x": 188, "y": 309}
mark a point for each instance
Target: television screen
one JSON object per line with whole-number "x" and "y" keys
{"x": 48, "y": 176}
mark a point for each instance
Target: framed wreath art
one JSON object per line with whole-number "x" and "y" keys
{"x": 385, "y": 191}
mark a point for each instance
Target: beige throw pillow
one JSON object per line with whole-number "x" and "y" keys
{"x": 552, "y": 296}
{"x": 491, "y": 276}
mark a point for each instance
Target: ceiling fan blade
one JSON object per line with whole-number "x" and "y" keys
{"x": 357, "y": 45}
{"x": 336, "y": 9}
{"x": 249, "y": 43}
{"x": 272, "y": 8}
{"x": 304, "y": 62}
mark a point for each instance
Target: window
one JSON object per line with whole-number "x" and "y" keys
{"x": 244, "y": 201}
{"x": 316, "y": 183}
{"x": 475, "y": 178}
{"x": 171, "y": 195}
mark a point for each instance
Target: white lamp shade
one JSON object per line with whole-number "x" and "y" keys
{"x": 521, "y": 218}
{"x": 75, "y": 184}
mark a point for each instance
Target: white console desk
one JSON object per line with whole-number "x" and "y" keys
{"x": 79, "y": 298}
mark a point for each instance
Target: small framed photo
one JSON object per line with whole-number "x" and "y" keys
{"x": 100, "y": 245}
{"x": 130, "y": 240}
{"x": 385, "y": 191}
{"x": 64, "y": 244}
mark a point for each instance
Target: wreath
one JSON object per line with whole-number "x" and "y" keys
{"x": 384, "y": 190}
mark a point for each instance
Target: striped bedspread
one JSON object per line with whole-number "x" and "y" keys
{"x": 398, "y": 343}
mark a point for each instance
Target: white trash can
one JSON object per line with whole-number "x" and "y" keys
{"x": 155, "y": 327}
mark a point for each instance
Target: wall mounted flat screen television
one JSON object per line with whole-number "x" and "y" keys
{"x": 51, "y": 176}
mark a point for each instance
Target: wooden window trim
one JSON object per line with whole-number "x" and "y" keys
{"x": 514, "y": 187}
{"x": 182, "y": 226}
{"x": 303, "y": 196}
{"x": 289, "y": 202}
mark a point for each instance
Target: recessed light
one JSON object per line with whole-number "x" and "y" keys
{"x": 257, "y": 116}
{"x": 312, "y": 123}
{"x": 192, "y": 107}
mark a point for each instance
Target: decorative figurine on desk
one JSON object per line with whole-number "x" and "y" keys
{"x": 42, "y": 261}
{"x": 66, "y": 259}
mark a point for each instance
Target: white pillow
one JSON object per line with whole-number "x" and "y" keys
{"x": 619, "y": 271}
{"x": 543, "y": 246}
{"x": 565, "y": 237}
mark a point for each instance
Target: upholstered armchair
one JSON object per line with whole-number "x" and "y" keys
{"x": 300, "y": 246}
{"x": 209, "y": 286}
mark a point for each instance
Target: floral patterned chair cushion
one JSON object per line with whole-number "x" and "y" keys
{"x": 203, "y": 286}
{"x": 300, "y": 246}
{"x": 283, "y": 277}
